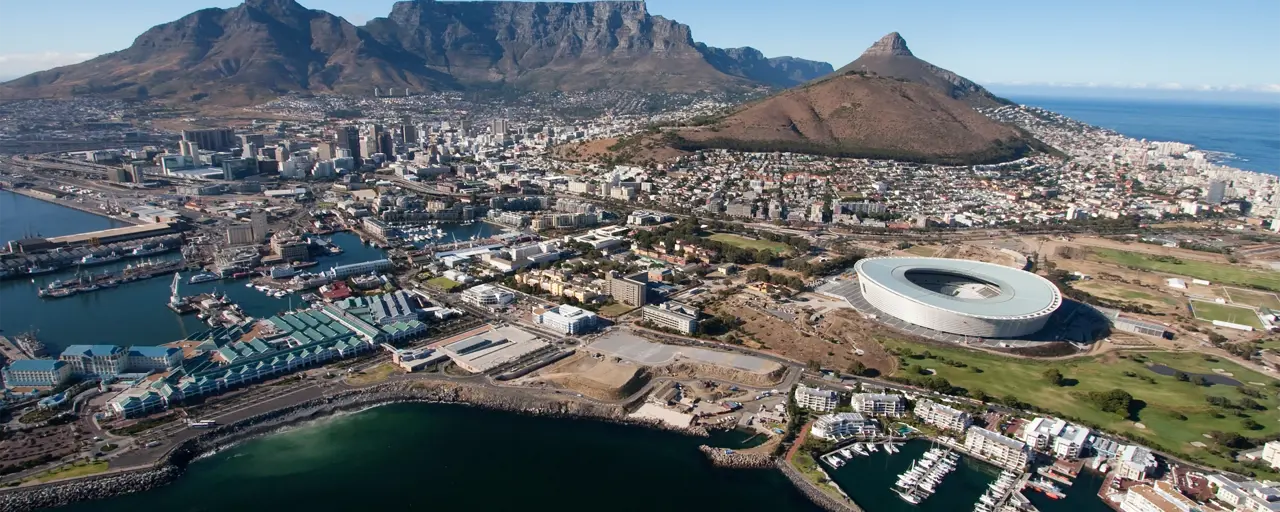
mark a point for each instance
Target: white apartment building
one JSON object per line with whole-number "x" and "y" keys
{"x": 1161, "y": 497}
{"x": 942, "y": 416}
{"x": 1135, "y": 462}
{"x": 565, "y": 319}
{"x": 879, "y": 404}
{"x": 488, "y": 295}
{"x": 1245, "y": 495}
{"x": 821, "y": 400}
{"x": 1064, "y": 440}
{"x": 672, "y": 315}
{"x": 1002, "y": 451}
{"x": 1271, "y": 453}
{"x": 843, "y": 425}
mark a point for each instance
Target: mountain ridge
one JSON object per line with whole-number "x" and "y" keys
{"x": 265, "y": 48}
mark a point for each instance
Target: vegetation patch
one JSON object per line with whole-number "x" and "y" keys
{"x": 1208, "y": 270}
{"x": 1253, "y": 298}
{"x": 742, "y": 242}
{"x": 444, "y": 283}
{"x": 77, "y": 469}
{"x": 1210, "y": 311}
{"x": 373, "y": 375}
{"x": 1114, "y": 393}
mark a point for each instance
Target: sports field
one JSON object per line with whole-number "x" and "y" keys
{"x": 1253, "y": 297}
{"x": 1210, "y": 311}
{"x": 747, "y": 243}
{"x": 444, "y": 283}
{"x": 1163, "y": 400}
{"x": 1207, "y": 270}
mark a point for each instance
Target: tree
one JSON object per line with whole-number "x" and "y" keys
{"x": 1182, "y": 376}
{"x": 1250, "y": 404}
{"x": 857, "y": 368}
{"x": 1053, "y": 376}
{"x": 813, "y": 365}
{"x": 1199, "y": 381}
{"x": 1250, "y": 424}
{"x": 1116, "y": 401}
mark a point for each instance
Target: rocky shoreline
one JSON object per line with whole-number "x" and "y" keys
{"x": 172, "y": 465}
{"x": 724, "y": 458}
{"x": 809, "y": 489}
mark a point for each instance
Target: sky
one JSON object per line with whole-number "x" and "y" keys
{"x": 1184, "y": 46}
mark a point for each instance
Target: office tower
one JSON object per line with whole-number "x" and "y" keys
{"x": 217, "y": 139}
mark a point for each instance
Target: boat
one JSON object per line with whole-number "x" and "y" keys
{"x": 93, "y": 259}
{"x": 304, "y": 264}
{"x": 203, "y": 277}
{"x": 858, "y": 449}
{"x": 36, "y": 270}
{"x": 202, "y": 424}
{"x": 872, "y": 447}
{"x": 248, "y": 285}
{"x": 145, "y": 251}
{"x": 908, "y": 497}
{"x": 847, "y": 454}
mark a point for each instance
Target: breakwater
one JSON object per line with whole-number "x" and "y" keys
{"x": 173, "y": 463}
{"x": 724, "y": 458}
{"x": 811, "y": 491}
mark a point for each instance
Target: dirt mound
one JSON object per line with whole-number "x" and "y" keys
{"x": 601, "y": 379}
{"x": 690, "y": 370}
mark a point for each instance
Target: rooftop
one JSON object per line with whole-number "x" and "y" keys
{"x": 967, "y": 287}
{"x": 35, "y": 365}
{"x": 92, "y": 350}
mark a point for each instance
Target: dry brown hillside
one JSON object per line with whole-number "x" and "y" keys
{"x": 864, "y": 116}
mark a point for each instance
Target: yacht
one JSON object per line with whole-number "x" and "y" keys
{"x": 37, "y": 270}
{"x": 847, "y": 454}
{"x": 908, "y": 497}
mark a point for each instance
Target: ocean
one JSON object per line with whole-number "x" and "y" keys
{"x": 1238, "y": 135}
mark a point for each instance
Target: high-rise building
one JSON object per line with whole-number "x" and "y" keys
{"x": 216, "y": 139}
{"x": 349, "y": 139}
{"x": 258, "y": 224}
{"x": 499, "y": 128}
{"x": 239, "y": 234}
{"x": 324, "y": 151}
{"x": 631, "y": 290}
{"x": 256, "y": 139}
{"x": 1217, "y": 192}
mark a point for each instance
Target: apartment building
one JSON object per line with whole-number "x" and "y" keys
{"x": 879, "y": 404}
{"x": 942, "y": 416}
{"x": 1245, "y": 495}
{"x": 1063, "y": 440}
{"x": 673, "y": 315}
{"x": 821, "y": 400}
{"x": 1002, "y": 451}
{"x": 37, "y": 373}
{"x": 1158, "y": 497}
{"x": 631, "y": 290}
{"x": 843, "y": 425}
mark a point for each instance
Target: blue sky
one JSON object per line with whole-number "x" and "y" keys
{"x": 1153, "y": 45}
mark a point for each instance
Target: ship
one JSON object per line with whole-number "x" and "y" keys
{"x": 143, "y": 250}
{"x": 37, "y": 270}
{"x": 203, "y": 277}
{"x": 93, "y": 259}
{"x": 283, "y": 272}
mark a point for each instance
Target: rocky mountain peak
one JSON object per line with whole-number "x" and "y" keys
{"x": 891, "y": 44}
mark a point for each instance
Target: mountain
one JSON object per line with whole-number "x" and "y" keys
{"x": 869, "y": 114}
{"x": 264, "y": 48}
{"x": 891, "y": 57}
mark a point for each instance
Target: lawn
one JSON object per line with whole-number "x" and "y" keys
{"x": 614, "y": 310}
{"x": 1253, "y": 297}
{"x": 443, "y": 283}
{"x": 1211, "y": 271}
{"x": 373, "y": 375}
{"x": 1211, "y": 311}
{"x": 748, "y": 243}
{"x": 1162, "y": 400}
{"x": 75, "y": 470}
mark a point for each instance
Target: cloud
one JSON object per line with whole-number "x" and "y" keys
{"x": 19, "y": 64}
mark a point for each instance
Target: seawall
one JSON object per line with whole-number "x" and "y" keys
{"x": 171, "y": 466}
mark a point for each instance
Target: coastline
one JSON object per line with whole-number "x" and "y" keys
{"x": 172, "y": 464}
{"x": 73, "y": 205}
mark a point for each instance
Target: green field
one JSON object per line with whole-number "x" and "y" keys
{"x": 1211, "y": 311}
{"x": 1207, "y": 270}
{"x": 1022, "y": 378}
{"x": 613, "y": 310}
{"x": 747, "y": 243}
{"x": 1253, "y": 297}
{"x": 443, "y": 283}
{"x": 75, "y": 470}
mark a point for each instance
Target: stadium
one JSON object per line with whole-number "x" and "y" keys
{"x": 961, "y": 297}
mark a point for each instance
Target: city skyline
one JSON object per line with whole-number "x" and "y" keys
{"x": 1145, "y": 46}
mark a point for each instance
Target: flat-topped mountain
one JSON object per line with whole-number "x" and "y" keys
{"x": 263, "y": 48}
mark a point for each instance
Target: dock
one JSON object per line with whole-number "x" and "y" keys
{"x": 10, "y": 350}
